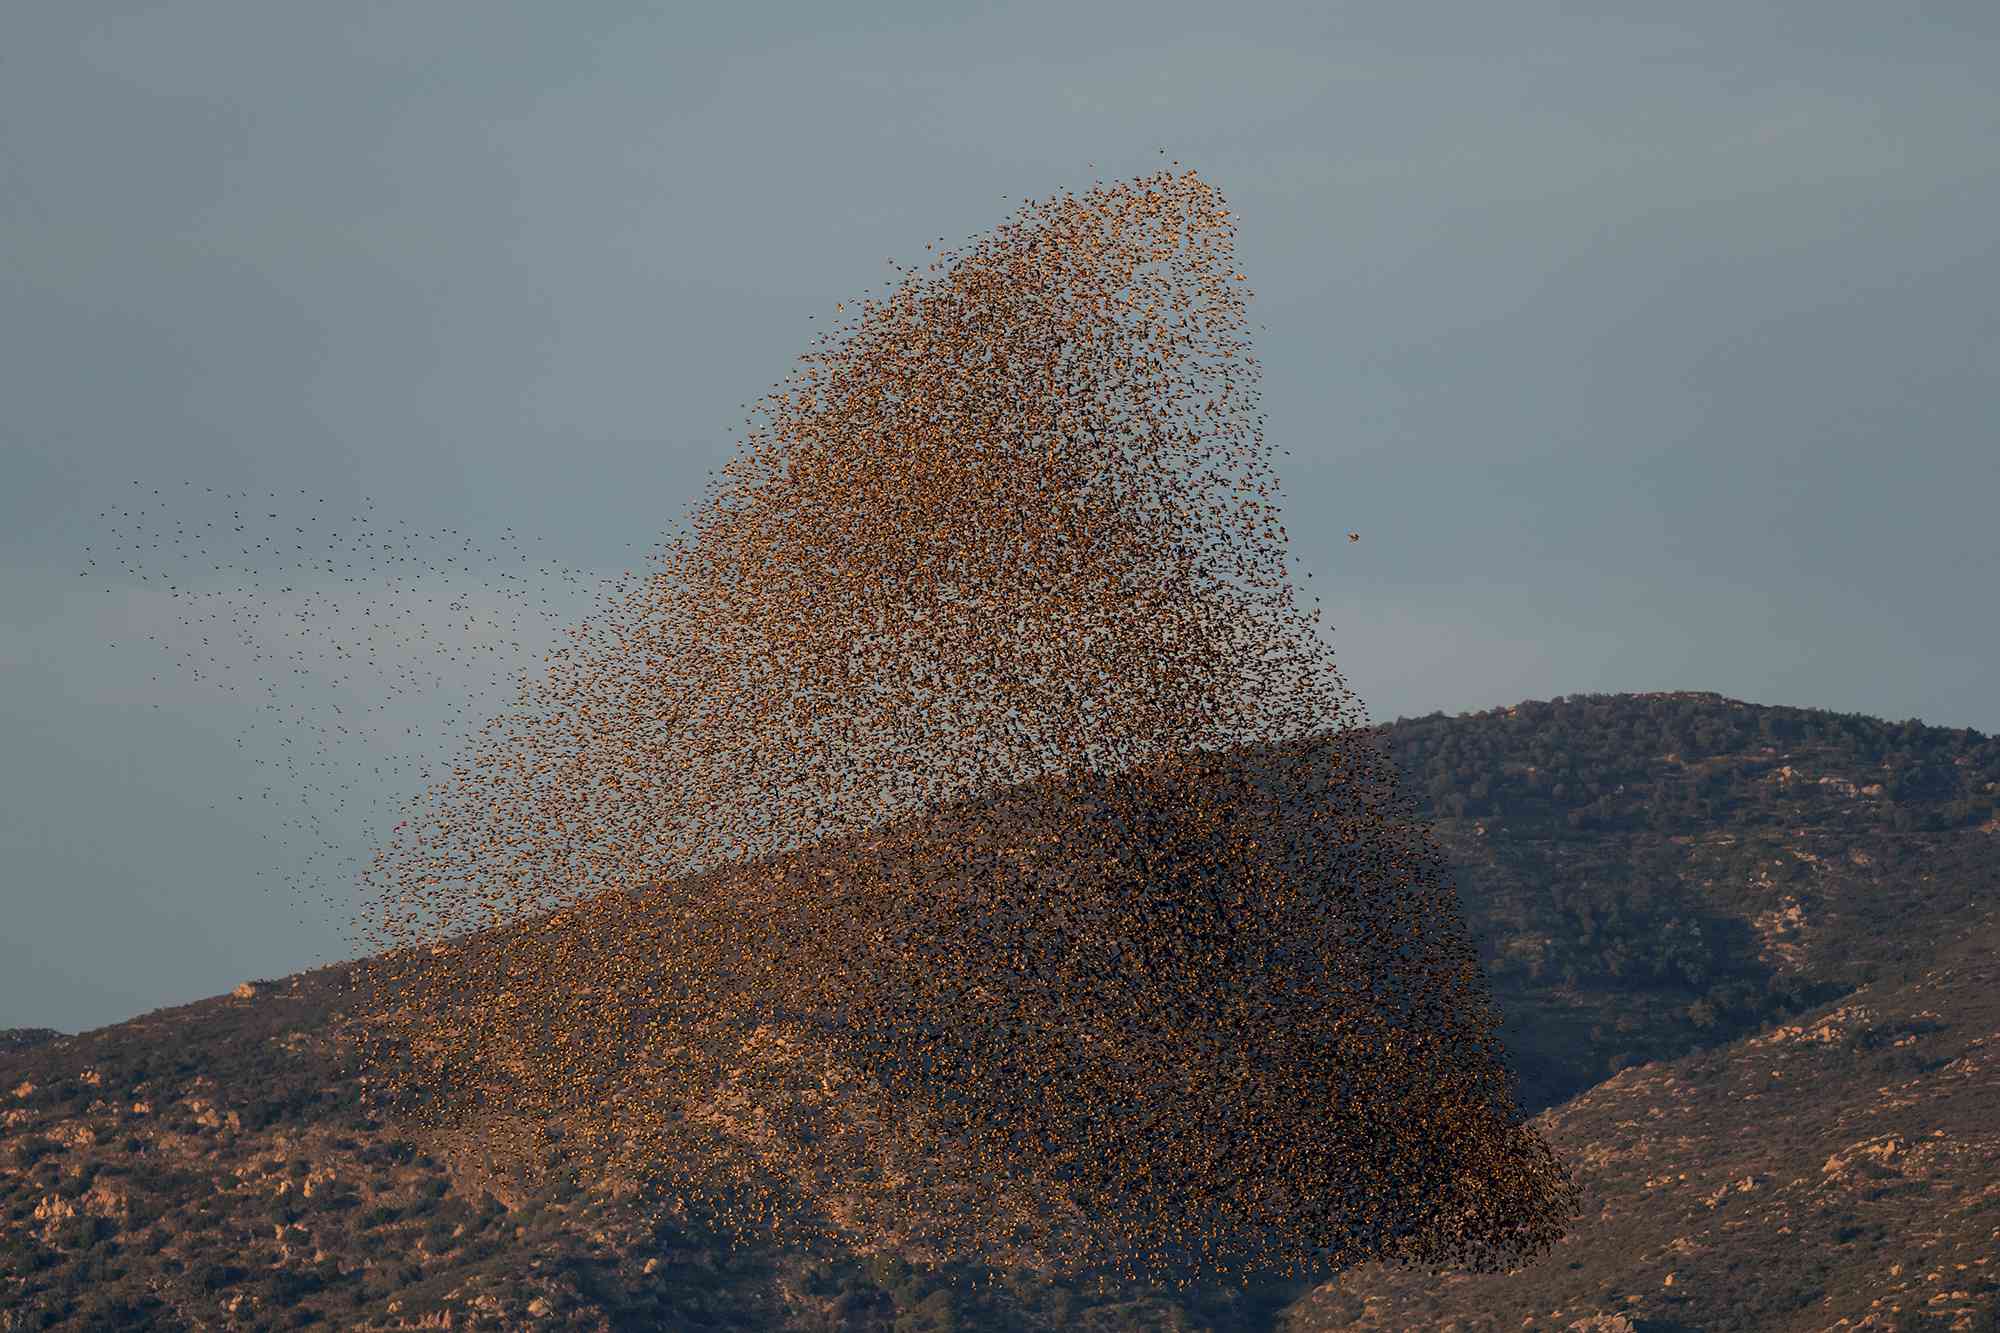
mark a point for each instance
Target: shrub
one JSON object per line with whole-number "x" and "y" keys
{"x": 81, "y": 1232}
{"x": 286, "y": 1287}
{"x": 34, "y": 1150}
{"x": 333, "y": 1201}
{"x": 379, "y": 1215}
{"x": 20, "y": 1256}
{"x": 889, "y": 1271}
{"x": 215, "y": 1277}
{"x": 935, "y": 1313}
{"x": 120, "y": 1309}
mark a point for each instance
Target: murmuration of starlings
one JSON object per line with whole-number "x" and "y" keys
{"x": 958, "y": 841}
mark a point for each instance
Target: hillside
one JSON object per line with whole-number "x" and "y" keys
{"x": 1839, "y": 1171}
{"x": 1649, "y": 875}
{"x": 1745, "y": 956}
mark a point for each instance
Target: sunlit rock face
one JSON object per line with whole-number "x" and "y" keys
{"x": 960, "y": 841}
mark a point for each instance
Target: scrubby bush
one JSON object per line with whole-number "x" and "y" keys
{"x": 935, "y": 1313}
{"x": 81, "y": 1232}
{"x": 286, "y": 1287}
{"x": 216, "y": 1276}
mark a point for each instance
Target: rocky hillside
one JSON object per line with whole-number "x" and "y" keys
{"x": 1650, "y": 875}
{"x": 1838, "y": 1171}
{"x": 1746, "y": 956}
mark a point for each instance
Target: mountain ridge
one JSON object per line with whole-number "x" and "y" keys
{"x": 1671, "y": 893}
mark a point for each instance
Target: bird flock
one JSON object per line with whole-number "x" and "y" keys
{"x": 354, "y": 652}
{"x": 959, "y": 841}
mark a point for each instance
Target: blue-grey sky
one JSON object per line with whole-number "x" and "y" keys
{"x": 1648, "y": 346}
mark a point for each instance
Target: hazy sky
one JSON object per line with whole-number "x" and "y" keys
{"x": 1646, "y": 351}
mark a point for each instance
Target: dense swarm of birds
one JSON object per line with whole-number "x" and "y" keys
{"x": 958, "y": 840}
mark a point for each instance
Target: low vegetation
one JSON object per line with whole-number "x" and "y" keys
{"x": 1745, "y": 955}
